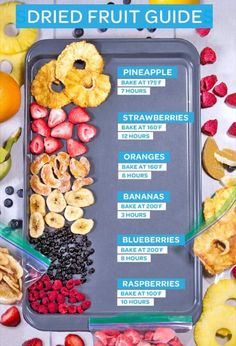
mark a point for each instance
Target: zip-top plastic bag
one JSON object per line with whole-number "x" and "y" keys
{"x": 20, "y": 265}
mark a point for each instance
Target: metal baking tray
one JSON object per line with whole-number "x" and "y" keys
{"x": 182, "y": 179}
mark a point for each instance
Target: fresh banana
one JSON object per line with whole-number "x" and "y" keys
{"x": 81, "y": 198}
{"x": 36, "y": 225}
{"x": 56, "y": 201}
{"x": 37, "y": 204}
{"x": 54, "y": 220}
{"x": 82, "y": 226}
{"x": 73, "y": 213}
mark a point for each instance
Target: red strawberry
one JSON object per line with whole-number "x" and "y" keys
{"x": 210, "y": 127}
{"x": 74, "y": 340}
{"x": 208, "y": 99}
{"x": 86, "y": 132}
{"x": 203, "y": 32}
{"x": 63, "y": 130}
{"x": 232, "y": 130}
{"x": 56, "y": 117}
{"x": 78, "y": 115}
{"x": 11, "y": 317}
{"x": 207, "y": 56}
{"x": 133, "y": 335}
{"x": 231, "y": 100}
{"x": 208, "y": 82}
{"x": 75, "y": 148}
{"x": 33, "y": 342}
{"x": 52, "y": 144}
{"x": 36, "y": 145}
{"x": 220, "y": 90}
{"x": 41, "y": 127}
{"x": 38, "y": 111}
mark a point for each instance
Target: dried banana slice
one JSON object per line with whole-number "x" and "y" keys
{"x": 36, "y": 225}
{"x": 41, "y": 88}
{"x": 80, "y": 182}
{"x": 39, "y": 162}
{"x": 56, "y": 201}
{"x": 3, "y": 259}
{"x": 87, "y": 89}
{"x": 15, "y": 267}
{"x": 4, "y": 250}
{"x": 54, "y": 220}
{"x": 39, "y": 187}
{"x": 73, "y": 213}
{"x": 82, "y": 226}
{"x": 83, "y": 51}
{"x": 48, "y": 177}
{"x": 37, "y": 204}
{"x": 81, "y": 198}
{"x": 80, "y": 168}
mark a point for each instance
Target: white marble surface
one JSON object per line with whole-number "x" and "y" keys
{"x": 222, "y": 39}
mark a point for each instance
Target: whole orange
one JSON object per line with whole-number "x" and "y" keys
{"x": 10, "y": 97}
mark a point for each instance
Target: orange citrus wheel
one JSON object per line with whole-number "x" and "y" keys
{"x": 174, "y": 2}
{"x": 10, "y": 97}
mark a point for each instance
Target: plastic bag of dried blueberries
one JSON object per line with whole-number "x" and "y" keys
{"x": 20, "y": 264}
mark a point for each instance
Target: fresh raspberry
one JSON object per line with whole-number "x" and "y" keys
{"x": 33, "y": 296}
{"x": 208, "y": 82}
{"x": 61, "y": 299}
{"x": 208, "y": 99}
{"x": 57, "y": 285}
{"x": 207, "y": 56}
{"x": 42, "y": 294}
{"x": 39, "y": 285}
{"x": 52, "y": 308}
{"x": 72, "y": 300}
{"x": 80, "y": 310}
{"x": 221, "y": 90}
{"x": 64, "y": 291}
{"x": 35, "y": 306}
{"x": 86, "y": 304}
{"x": 70, "y": 284}
{"x": 45, "y": 301}
{"x": 47, "y": 285}
{"x": 73, "y": 293}
{"x": 80, "y": 296}
{"x": 43, "y": 309}
{"x": 72, "y": 309}
{"x": 203, "y": 32}
{"x": 210, "y": 127}
{"x": 45, "y": 278}
{"x": 77, "y": 282}
{"x": 232, "y": 130}
{"x": 33, "y": 287}
{"x": 231, "y": 100}
{"x": 62, "y": 309}
{"x": 52, "y": 296}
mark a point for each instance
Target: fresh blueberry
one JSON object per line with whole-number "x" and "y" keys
{"x": 126, "y": 2}
{"x": 110, "y": 3}
{"x": 151, "y": 30}
{"x": 103, "y": 29}
{"x": 8, "y": 203}
{"x": 15, "y": 224}
{"x": 78, "y": 32}
{"x": 9, "y": 190}
{"x": 20, "y": 193}
{"x": 140, "y": 29}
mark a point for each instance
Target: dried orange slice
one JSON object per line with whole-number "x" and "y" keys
{"x": 211, "y": 166}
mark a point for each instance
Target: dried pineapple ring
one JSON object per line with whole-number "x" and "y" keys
{"x": 211, "y": 321}
{"x": 17, "y": 62}
{"x": 25, "y": 37}
{"x": 41, "y": 88}
{"x": 218, "y": 294}
{"x": 87, "y": 89}
{"x": 84, "y": 51}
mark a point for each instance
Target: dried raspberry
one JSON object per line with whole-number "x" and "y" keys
{"x": 52, "y": 296}
{"x": 175, "y": 342}
{"x": 77, "y": 282}
{"x": 62, "y": 309}
{"x": 35, "y": 306}
{"x": 72, "y": 300}
{"x": 208, "y": 99}
{"x": 45, "y": 301}
{"x": 80, "y": 310}
{"x": 111, "y": 332}
{"x": 208, "y": 82}
{"x": 72, "y": 309}
{"x": 70, "y": 284}
{"x": 221, "y": 90}
{"x": 61, "y": 299}
{"x": 57, "y": 285}
{"x": 52, "y": 308}
{"x": 43, "y": 309}
{"x": 64, "y": 291}
{"x": 80, "y": 296}
{"x": 232, "y": 130}
{"x": 42, "y": 294}
{"x": 149, "y": 335}
{"x": 203, "y": 32}
{"x": 86, "y": 304}
{"x": 111, "y": 341}
{"x": 207, "y": 56}
{"x": 210, "y": 127}
{"x": 231, "y": 100}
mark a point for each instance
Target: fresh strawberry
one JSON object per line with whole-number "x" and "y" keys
{"x": 11, "y": 317}
{"x": 208, "y": 82}
{"x": 63, "y": 130}
{"x": 133, "y": 335}
{"x": 231, "y": 100}
{"x": 75, "y": 148}
{"x": 203, "y": 32}
{"x": 36, "y": 145}
{"x": 41, "y": 127}
{"x": 208, "y": 99}
{"x": 221, "y": 90}
{"x": 232, "y": 130}
{"x": 207, "y": 56}
{"x": 74, "y": 340}
{"x": 33, "y": 342}
{"x": 78, "y": 115}
{"x": 38, "y": 111}
{"x": 86, "y": 132}
{"x": 56, "y": 117}
{"x": 210, "y": 127}
{"x": 52, "y": 144}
